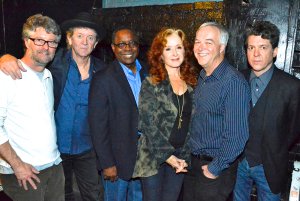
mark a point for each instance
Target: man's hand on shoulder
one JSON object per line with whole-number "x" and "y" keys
{"x": 10, "y": 65}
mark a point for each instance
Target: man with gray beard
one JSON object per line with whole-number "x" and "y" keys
{"x": 28, "y": 148}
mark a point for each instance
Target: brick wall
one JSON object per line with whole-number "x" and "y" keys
{"x": 148, "y": 20}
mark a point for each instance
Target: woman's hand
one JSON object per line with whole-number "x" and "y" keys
{"x": 178, "y": 164}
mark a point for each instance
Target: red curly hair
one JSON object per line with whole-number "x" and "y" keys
{"x": 157, "y": 70}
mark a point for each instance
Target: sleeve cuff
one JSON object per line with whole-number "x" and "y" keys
{"x": 214, "y": 169}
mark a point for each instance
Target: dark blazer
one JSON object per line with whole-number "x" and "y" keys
{"x": 113, "y": 117}
{"x": 60, "y": 68}
{"x": 276, "y": 117}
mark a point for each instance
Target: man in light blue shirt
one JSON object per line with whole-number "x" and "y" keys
{"x": 113, "y": 116}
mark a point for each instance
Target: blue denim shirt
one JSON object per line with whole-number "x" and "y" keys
{"x": 73, "y": 135}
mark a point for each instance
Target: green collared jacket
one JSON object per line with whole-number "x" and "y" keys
{"x": 157, "y": 115}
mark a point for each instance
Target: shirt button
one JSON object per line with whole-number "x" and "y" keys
{"x": 256, "y": 89}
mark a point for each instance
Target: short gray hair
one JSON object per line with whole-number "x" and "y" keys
{"x": 224, "y": 35}
{"x": 39, "y": 20}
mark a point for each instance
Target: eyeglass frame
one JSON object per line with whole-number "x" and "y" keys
{"x": 34, "y": 40}
{"x": 131, "y": 44}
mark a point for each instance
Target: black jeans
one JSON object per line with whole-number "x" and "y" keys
{"x": 84, "y": 167}
{"x": 197, "y": 187}
{"x": 51, "y": 187}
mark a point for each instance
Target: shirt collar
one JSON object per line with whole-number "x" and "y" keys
{"x": 265, "y": 77}
{"x": 128, "y": 71}
{"x": 46, "y": 74}
{"x": 74, "y": 64}
{"x": 218, "y": 72}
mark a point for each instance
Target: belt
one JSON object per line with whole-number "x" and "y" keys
{"x": 202, "y": 157}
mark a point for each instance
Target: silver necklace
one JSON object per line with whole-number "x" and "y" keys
{"x": 180, "y": 110}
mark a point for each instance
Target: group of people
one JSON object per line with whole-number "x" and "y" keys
{"x": 134, "y": 131}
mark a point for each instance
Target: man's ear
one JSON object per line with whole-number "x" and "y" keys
{"x": 222, "y": 48}
{"x": 26, "y": 42}
{"x": 69, "y": 40}
{"x": 95, "y": 44}
{"x": 113, "y": 47}
{"x": 275, "y": 52}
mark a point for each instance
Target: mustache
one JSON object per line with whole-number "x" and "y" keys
{"x": 43, "y": 52}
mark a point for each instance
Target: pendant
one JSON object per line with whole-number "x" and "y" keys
{"x": 179, "y": 122}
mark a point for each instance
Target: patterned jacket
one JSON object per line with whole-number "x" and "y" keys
{"x": 157, "y": 115}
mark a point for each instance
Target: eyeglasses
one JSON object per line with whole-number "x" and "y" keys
{"x": 41, "y": 42}
{"x": 131, "y": 44}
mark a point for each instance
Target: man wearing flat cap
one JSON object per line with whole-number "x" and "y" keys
{"x": 72, "y": 70}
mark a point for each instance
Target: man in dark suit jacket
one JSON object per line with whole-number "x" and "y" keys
{"x": 113, "y": 117}
{"x": 274, "y": 119}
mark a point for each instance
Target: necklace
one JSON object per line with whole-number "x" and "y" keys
{"x": 180, "y": 110}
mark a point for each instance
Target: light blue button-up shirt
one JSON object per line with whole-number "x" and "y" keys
{"x": 134, "y": 80}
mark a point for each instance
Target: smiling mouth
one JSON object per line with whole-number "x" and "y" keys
{"x": 127, "y": 55}
{"x": 202, "y": 54}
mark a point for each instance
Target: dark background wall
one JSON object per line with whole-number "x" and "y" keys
{"x": 283, "y": 13}
{"x": 147, "y": 21}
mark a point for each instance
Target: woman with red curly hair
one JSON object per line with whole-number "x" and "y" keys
{"x": 165, "y": 107}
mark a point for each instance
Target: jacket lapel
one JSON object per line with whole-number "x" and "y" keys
{"x": 120, "y": 77}
{"x": 164, "y": 94}
{"x": 264, "y": 105}
{"x": 271, "y": 88}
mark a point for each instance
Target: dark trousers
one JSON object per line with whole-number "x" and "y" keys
{"x": 84, "y": 167}
{"x": 164, "y": 186}
{"x": 197, "y": 187}
{"x": 51, "y": 187}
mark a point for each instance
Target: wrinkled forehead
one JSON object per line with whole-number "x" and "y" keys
{"x": 84, "y": 30}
